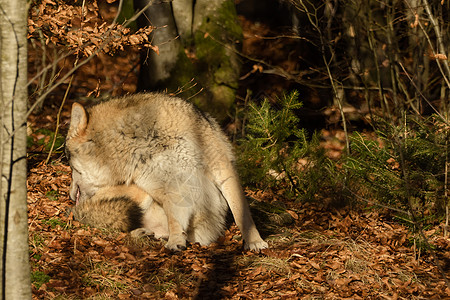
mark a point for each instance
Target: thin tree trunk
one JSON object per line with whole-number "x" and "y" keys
{"x": 13, "y": 107}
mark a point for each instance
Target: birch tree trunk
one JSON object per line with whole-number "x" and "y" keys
{"x": 13, "y": 107}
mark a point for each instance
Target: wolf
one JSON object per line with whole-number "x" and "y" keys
{"x": 169, "y": 150}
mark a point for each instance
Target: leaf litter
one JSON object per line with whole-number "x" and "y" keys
{"x": 331, "y": 254}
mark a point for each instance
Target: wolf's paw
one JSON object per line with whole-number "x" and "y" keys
{"x": 256, "y": 245}
{"x": 139, "y": 233}
{"x": 176, "y": 243}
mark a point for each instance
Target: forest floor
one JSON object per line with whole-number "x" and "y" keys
{"x": 324, "y": 253}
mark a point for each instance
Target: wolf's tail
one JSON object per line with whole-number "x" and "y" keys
{"x": 117, "y": 213}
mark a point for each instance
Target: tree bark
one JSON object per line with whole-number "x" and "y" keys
{"x": 157, "y": 67}
{"x": 13, "y": 107}
{"x": 209, "y": 31}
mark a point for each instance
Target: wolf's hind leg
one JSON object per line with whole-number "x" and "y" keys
{"x": 240, "y": 209}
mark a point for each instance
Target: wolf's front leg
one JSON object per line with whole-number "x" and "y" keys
{"x": 178, "y": 216}
{"x": 177, "y": 236}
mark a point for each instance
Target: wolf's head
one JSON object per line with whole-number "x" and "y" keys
{"x": 88, "y": 174}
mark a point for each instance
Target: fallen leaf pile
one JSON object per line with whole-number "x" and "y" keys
{"x": 80, "y": 27}
{"x": 324, "y": 254}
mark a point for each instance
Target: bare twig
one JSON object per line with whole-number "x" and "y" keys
{"x": 58, "y": 116}
{"x": 447, "y": 163}
{"x": 443, "y": 119}
{"x": 104, "y": 43}
{"x": 313, "y": 20}
{"x": 440, "y": 44}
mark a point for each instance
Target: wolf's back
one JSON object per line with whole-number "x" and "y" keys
{"x": 129, "y": 132}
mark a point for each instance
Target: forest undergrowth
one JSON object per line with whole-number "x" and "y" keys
{"x": 349, "y": 211}
{"x": 327, "y": 239}
{"x": 322, "y": 254}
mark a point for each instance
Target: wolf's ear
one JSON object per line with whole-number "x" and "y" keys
{"x": 78, "y": 120}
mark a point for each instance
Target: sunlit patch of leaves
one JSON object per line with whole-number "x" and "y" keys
{"x": 280, "y": 265}
{"x": 105, "y": 276}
